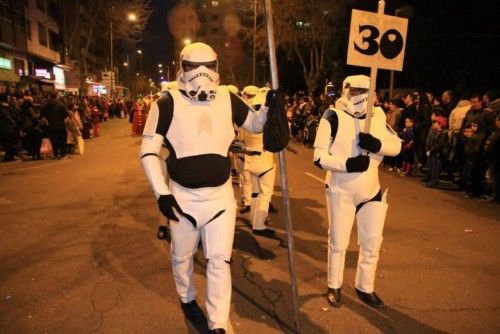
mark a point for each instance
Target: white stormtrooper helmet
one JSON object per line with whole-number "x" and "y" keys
{"x": 354, "y": 98}
{"x": 248, "y": 93}
{"x": 198, "y": 75}
{"x": 260, "y": 97}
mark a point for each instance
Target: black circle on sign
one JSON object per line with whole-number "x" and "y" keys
{"x": 391, "y": 49}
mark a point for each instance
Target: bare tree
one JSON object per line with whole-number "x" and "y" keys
{"x": 306, "y": 30}
{"x": 86, "y": 23}
{"x": 140, "y": 85}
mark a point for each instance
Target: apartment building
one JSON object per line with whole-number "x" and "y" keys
{"x": 13, "y": 46}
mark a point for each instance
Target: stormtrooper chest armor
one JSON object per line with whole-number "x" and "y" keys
{"x": 198, "y": 139}
{"x": 345, "y": 143}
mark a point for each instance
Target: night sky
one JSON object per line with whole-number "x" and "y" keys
{"x": 157, "y": 41}
{"x": 450, "y": 44}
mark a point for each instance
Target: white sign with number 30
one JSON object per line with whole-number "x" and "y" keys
{"x": 377, "y": 40}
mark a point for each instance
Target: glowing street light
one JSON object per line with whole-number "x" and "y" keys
{"x": 132, "y": 17}
{"x": 139, "y": 51}
{"x": 160, "y": 65}
{"x": 187, "y": 41}
{"x": 125, "y": 64}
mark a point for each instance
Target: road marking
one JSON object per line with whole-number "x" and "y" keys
{"x": 315, "y": 177}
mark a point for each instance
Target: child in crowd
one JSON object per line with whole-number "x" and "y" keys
{"x": 408, "y": 136}
{"x": 434, "y": 148}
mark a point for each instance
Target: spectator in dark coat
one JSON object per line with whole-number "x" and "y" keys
{"x": 409, "y": 111}
{"x": 422, "y": 127}
{"x": 434, "y": 149}
{"x": 472, "y": 169}
{"x": 492, "y": 157}
{"x": 55, "y": 113}
{"x": 7, "y": 129}
{"x": 449, "y": 102}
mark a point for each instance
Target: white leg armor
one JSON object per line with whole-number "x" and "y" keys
{"x": 185, "y": 240}
{"x": 370, "y": 224}
{"x": 215, "y": 225}
{"x": 215, "y": 237}
{"x": 260, "y": 204}
{"x": 246, "y": 187}
{"x": 341, "y": 211}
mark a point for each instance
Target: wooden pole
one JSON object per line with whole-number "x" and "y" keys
{"x": 373, "y": 79}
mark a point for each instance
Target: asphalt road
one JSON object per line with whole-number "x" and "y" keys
{"x": 79, "y": 254}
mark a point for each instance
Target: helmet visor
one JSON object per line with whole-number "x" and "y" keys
{"x": 188, "y": 66}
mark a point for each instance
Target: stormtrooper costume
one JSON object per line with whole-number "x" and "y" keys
{"x": 196, "y": 123}
{"x": 262, "y": 170}
{"x": 352, "y": 184}
{"x": 248, "y": 94}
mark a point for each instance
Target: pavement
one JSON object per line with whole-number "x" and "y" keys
{"x": 79, "y": 254}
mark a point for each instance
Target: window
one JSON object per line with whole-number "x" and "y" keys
{"x": 42, "y": 34}
{"x": 215, "y": 30}
{"x": 28, "y": 29}
{"x": 40, "y": 5}
{"x": 53, "y": 41}
{"x": 215, "y": 17}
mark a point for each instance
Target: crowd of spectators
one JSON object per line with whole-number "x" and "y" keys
{"x": 445, "y": 140}
{"x": 64, "y": 120}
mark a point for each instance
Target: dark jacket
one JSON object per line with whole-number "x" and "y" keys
{"x": 491, "y": 152}
{"x": 55, "y": 112}
{"x": 7, "y": 122}
{"x": 473, "y": 147}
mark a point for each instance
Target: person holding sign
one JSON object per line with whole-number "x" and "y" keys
{"x": 351, "y": 158}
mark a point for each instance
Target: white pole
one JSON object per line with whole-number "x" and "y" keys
{"x": 284, "y": 180}
{"x": 373, "y": 79}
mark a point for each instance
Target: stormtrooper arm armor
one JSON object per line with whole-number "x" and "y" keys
{"x": 391, "y": 144}
{"x": 150, "y": 154}
{"x": 322, "y": 157}
{"x": 246, "y": 117}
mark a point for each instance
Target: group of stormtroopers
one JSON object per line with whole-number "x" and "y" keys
{"x": 256, "y": 172}
{"x": 196, "y": 120}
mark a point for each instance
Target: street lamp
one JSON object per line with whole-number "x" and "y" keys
{"x": 139, "y": 51}
{"x": 187, "y": 41}
{"x": 131, "y": 17}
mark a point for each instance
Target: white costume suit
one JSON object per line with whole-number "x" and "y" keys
{"x": 355, "y": 194}
{"x": 198, "y": 138}
{"x": 262, "y": 171}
